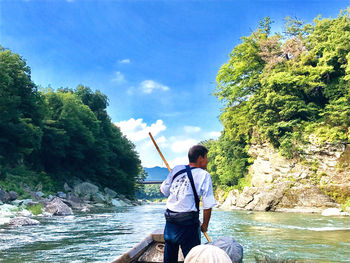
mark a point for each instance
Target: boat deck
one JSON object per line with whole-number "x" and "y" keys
{"x": 150, "y": 250}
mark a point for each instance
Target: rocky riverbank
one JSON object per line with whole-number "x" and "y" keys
{"x": 82, "y": 197}
{"x": 319, "y": 182}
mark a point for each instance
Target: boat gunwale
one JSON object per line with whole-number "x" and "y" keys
{"x": 135, "y": 252}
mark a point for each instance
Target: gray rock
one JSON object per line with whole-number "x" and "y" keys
{"x": 322, "y": 171}
{"x": 23, "y": 221}
{"x": 99, "y": 197}
{"x": 75, "y": 202}
{"x": 39, "y": 194}
{"x": 74, "y": 205}
{"x": 72, "y": 197}
{"x": 13, "y": 195}
{"x": 246, "y": 196}
{"x": 269, "y": 197}
{"x": 118, "y": 202}
{"x": 307, "y": 196}
{"x": 231, "y": 199}
{"x": 4, "y": 196}
{"x": 61, "y": 195}
{"x": 67, "y": 188}
{"x": 57, "y": 207}
{"x": 110, "y": 193}
{"x": 85, "y": 190}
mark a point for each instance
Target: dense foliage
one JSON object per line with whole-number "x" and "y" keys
{"x": 48, "y": 137}
{"x": 281, "y": 88}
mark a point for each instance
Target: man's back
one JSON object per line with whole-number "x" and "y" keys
{"x": 182, "y": 227}
{"x": 178, "y": 188}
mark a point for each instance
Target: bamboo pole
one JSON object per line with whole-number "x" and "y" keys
{"x": 160, "y": 153}
{"x": 167, "y": 165}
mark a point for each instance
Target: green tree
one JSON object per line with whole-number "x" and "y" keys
{"x": 280, "y": 88}
{"x": 20, "y": 111}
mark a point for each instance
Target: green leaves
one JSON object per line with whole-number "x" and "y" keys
{"x": 55, "y": 136}
{"x": 279, "y": 87}
{"x": 21, "y": 110}
{"x": 80, "y": 140}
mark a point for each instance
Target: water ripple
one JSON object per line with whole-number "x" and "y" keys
{"x": 100, "y": 237}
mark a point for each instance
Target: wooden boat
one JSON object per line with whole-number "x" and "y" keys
{"x": 150, "y": 250}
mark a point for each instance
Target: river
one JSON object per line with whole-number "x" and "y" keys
{"x": 103, "y": 235}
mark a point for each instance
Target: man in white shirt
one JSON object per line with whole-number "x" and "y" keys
{"x": 184, "y": 187}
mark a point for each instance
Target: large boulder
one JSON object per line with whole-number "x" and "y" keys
{"x": 99, "y": 198}
{"x": 118, "y": 202}
{"x": 58, "y": 207}
{"x": 23, "y": 221}
{"x": 4, "y": 196}
{"x": 305, "y": 197}
{"x": 110, "y": 194}
{"x": 85, "y": 190}
{"x": 267, "y": 198}
{"x": 61, "y": 195}
{"x": 311, "y": 185}
{"x": 13, "y": 195}
{"x": 231, "y": 199}
{"x": 246, "y": 196}
{"x": 67, "y": 188}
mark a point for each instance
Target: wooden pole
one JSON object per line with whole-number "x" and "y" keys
{"x": 167, "y": 165}
{"x": 160, "y": 153}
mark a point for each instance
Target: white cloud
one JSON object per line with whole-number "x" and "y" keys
{"x": 137, "y": 130}
{"x": 214, "y": 134}
{"x": 124, "y": 61}
{"x": 148, "y": 86}
{"x": 178, "y": 161}
{"x": 148, "y": 153}
{"x": 191, "y": 129}
{"x": 119, "y": 77}
{"x": 182, "y": 146}
{"x": 174, "y": 148}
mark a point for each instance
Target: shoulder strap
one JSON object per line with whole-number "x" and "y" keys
{"x": 181, "y": 172}
{"x": 189, "y": 174}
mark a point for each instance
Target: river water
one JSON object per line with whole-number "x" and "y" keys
{"x": 101, "y": 236}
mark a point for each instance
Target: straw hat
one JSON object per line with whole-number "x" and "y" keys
{"x": 207, "y": 254}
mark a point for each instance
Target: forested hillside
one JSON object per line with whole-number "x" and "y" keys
{"x": 280, "y": 88}
{"x": 48, "y": 137}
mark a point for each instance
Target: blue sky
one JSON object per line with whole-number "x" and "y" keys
{"x": 155, "y": 60}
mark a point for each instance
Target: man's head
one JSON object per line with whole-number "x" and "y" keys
{"x": 197, "y": 156}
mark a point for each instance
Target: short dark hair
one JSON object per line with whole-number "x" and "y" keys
{"x": 196, "y": 151}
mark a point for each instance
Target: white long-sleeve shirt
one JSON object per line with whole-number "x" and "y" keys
{"x": 179, "y": 191}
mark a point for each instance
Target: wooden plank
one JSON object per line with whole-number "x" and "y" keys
{"x": 132, "y": 254}
{"x": 158, "y": 235}
{"x": 151, "y": 250}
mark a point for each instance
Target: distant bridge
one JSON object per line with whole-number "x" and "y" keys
{"x": 151, "y": 182}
